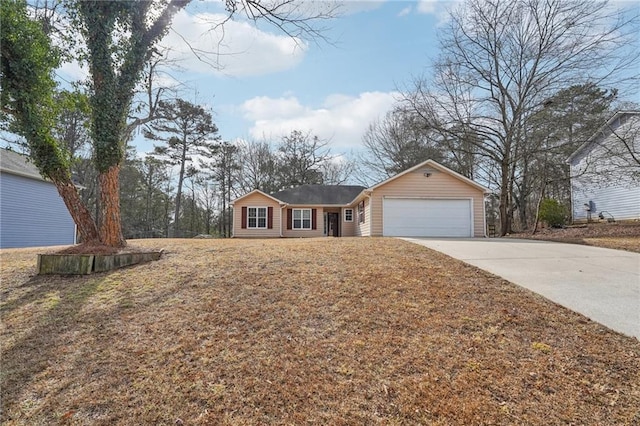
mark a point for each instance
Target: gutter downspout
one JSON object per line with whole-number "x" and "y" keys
{"x": 233, "y": 224}
{"x": 368, "y": 194}
{"x": 484, "y": 216}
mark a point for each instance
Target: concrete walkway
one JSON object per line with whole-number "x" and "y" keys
{"x": 602, "y": 284}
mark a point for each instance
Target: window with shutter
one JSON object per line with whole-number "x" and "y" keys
{"x": 302, "y": 219}
{"x": 243, "y": 221}
{"x": 256, "y": 217}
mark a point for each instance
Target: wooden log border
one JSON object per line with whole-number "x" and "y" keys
{"x": 85, "y": 264}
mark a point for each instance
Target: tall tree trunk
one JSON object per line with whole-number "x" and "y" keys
{"x": 535, "y": 226}
{"x": 505, "y": 202}
{"x": 176, "y": 218}
{"x": 85, "y": 224}
{"x": 110, "y": 223}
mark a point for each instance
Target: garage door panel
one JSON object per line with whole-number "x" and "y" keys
{"x": 427, "y": 218}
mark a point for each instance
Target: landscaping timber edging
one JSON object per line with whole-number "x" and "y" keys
{"x": 84, "y": 264}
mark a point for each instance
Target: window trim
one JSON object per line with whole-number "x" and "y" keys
{"x": 345, "y": 215}
{"x": 301, "y": 219}
{"x": 361, "y": 217}
{"x": 257, "y": 217}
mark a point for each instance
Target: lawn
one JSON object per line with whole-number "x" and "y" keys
{"x": 320, "y": 331}
{"x": 617, "y": 235}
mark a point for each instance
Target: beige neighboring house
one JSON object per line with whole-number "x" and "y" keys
{"x": 427, "y": 200}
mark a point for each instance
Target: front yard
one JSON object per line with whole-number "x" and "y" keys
{"x": 322, "y": 331}
{"x": 618, "y": 235}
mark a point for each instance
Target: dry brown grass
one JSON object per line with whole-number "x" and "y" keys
{"x": 617, "y": 235}
{"x": 322, "y": 331}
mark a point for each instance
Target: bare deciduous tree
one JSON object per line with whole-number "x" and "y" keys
{"x": 501, "y": 60}
{"x": 300, "y": 159}
{"x": 259, "y": 166}
{"x": 397, "y": 142}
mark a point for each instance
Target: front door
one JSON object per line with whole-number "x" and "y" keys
{"x": 333, "y": 229}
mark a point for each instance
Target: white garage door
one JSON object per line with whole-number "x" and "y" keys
{"x": 408, "y": 217}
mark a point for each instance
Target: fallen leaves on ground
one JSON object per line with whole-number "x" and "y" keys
{"x": 616, "y": 235}
{"x": 311, "y": 331}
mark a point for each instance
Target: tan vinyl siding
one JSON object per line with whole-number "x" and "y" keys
{"x": 362, "y": 229}
{"x": 256, "y": 200}
{"x": 349, "y": 228}
{"x": 439, "y": 185}
{"x": 306, "y": 233}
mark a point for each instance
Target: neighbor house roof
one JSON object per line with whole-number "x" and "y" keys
{"x": 603, "y": 131}
{"x": 18, "y": 164}
{"x": 319, "y": 194}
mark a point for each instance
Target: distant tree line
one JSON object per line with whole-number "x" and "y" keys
{"x": 184, "y": 187}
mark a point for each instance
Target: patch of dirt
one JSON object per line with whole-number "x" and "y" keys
{"x": 617, "y": 235}
{"x": 299, "y": 331}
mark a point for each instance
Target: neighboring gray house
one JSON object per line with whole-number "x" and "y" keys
{"x": 32, "y": 213}
{"x": 605, "y": 171}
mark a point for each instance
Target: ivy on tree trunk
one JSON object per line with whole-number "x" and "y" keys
{"x": 113, "y": 80}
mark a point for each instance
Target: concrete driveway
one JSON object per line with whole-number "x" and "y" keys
{"x": 602, "y": 284}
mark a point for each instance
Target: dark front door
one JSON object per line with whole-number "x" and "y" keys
{"x": 334, "y": 224}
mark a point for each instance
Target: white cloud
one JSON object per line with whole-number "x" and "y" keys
{"x": 264, "y": 108}
{"x": 404, "y": 12}
{"x": 427, "y": 7}
{"x": 201, "y": 43}
{"x": 437, "y": 8}
{"x": 341, "y": 119}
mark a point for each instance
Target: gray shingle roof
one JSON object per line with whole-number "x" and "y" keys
{"x": 319, "y": 194}
{"x": 18, "y": 164}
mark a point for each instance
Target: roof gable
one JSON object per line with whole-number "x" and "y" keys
{"x": 603, "y": 132}
{"x": 319, "y": 194}
{"x": 438, "y": 167}
{"x": 256, "y": 191}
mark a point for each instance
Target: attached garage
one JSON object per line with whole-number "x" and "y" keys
{"x": 426, "y": 200}
{"x": 419, "y": 217}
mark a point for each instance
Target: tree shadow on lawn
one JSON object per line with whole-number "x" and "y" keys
{"x": 57, "y": 306}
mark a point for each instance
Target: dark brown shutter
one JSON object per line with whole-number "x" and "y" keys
{"x": 270, "y": 217}
{"x": 244, "y": 218}
{"x": 313, "y": 218}
{"x": 289, "y": 219}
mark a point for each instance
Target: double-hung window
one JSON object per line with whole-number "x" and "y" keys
{"x": 348, "y": 215}
{"x": 257, "y": 217}
{"x": 361, "y": 212}
{"x": 301, "y": 218}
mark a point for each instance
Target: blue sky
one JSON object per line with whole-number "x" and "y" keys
{"x": 269, "y": 86}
